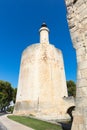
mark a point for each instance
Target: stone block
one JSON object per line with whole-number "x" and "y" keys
{"x": 79, "y": 3}
{"x": 81, "y": 8}
{"x": 83, "y": 73}
{"x": 81, "y": 58}
{"x": 86, "y": 127}
{"x": 78, "y": 119}
{"x": 82, "y": 65}
{"x": 82, "y": 91}
{"x": 81, "y": 127}
{"x": 82, "y": 82}
{"x": 78, "y": 75}
{"x": 80, "y": 51}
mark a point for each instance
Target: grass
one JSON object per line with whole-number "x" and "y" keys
{"x": 34, "y": 123}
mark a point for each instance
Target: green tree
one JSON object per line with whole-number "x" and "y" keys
{"x": 71, "y": 86}
{"x": 14, "y": 94}
{"x": 1, "y": 99}
{"x": 6, "y": 94}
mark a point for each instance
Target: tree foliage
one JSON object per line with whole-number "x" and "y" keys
{"x": 71, "y": 86}
{"x": 14, "y": 94}
{"x": 7, "y": 94}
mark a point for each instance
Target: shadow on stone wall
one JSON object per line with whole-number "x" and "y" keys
{"x": 68, "y": 125}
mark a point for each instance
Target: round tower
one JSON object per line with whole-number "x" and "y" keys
{"x": 42, "y": 82}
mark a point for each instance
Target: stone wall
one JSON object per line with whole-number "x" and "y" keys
{"x": 42, "y": 83}
{"x": 77, "y": 20}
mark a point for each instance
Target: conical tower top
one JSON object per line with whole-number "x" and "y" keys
{"x": 44, "y": 34}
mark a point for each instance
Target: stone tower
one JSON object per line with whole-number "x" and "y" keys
{"x": 77, "y": 20}
{"x": 42, "y": 90}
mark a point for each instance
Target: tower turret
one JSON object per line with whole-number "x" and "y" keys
{"x": 44, "y": 34}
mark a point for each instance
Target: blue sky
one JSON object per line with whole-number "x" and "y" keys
{"x": 20, "y": 21}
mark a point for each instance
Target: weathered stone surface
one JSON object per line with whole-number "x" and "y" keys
{"x": 42, "y": 83}
{"x": 82, "y": 91}
{"x": 77, "y": 20}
